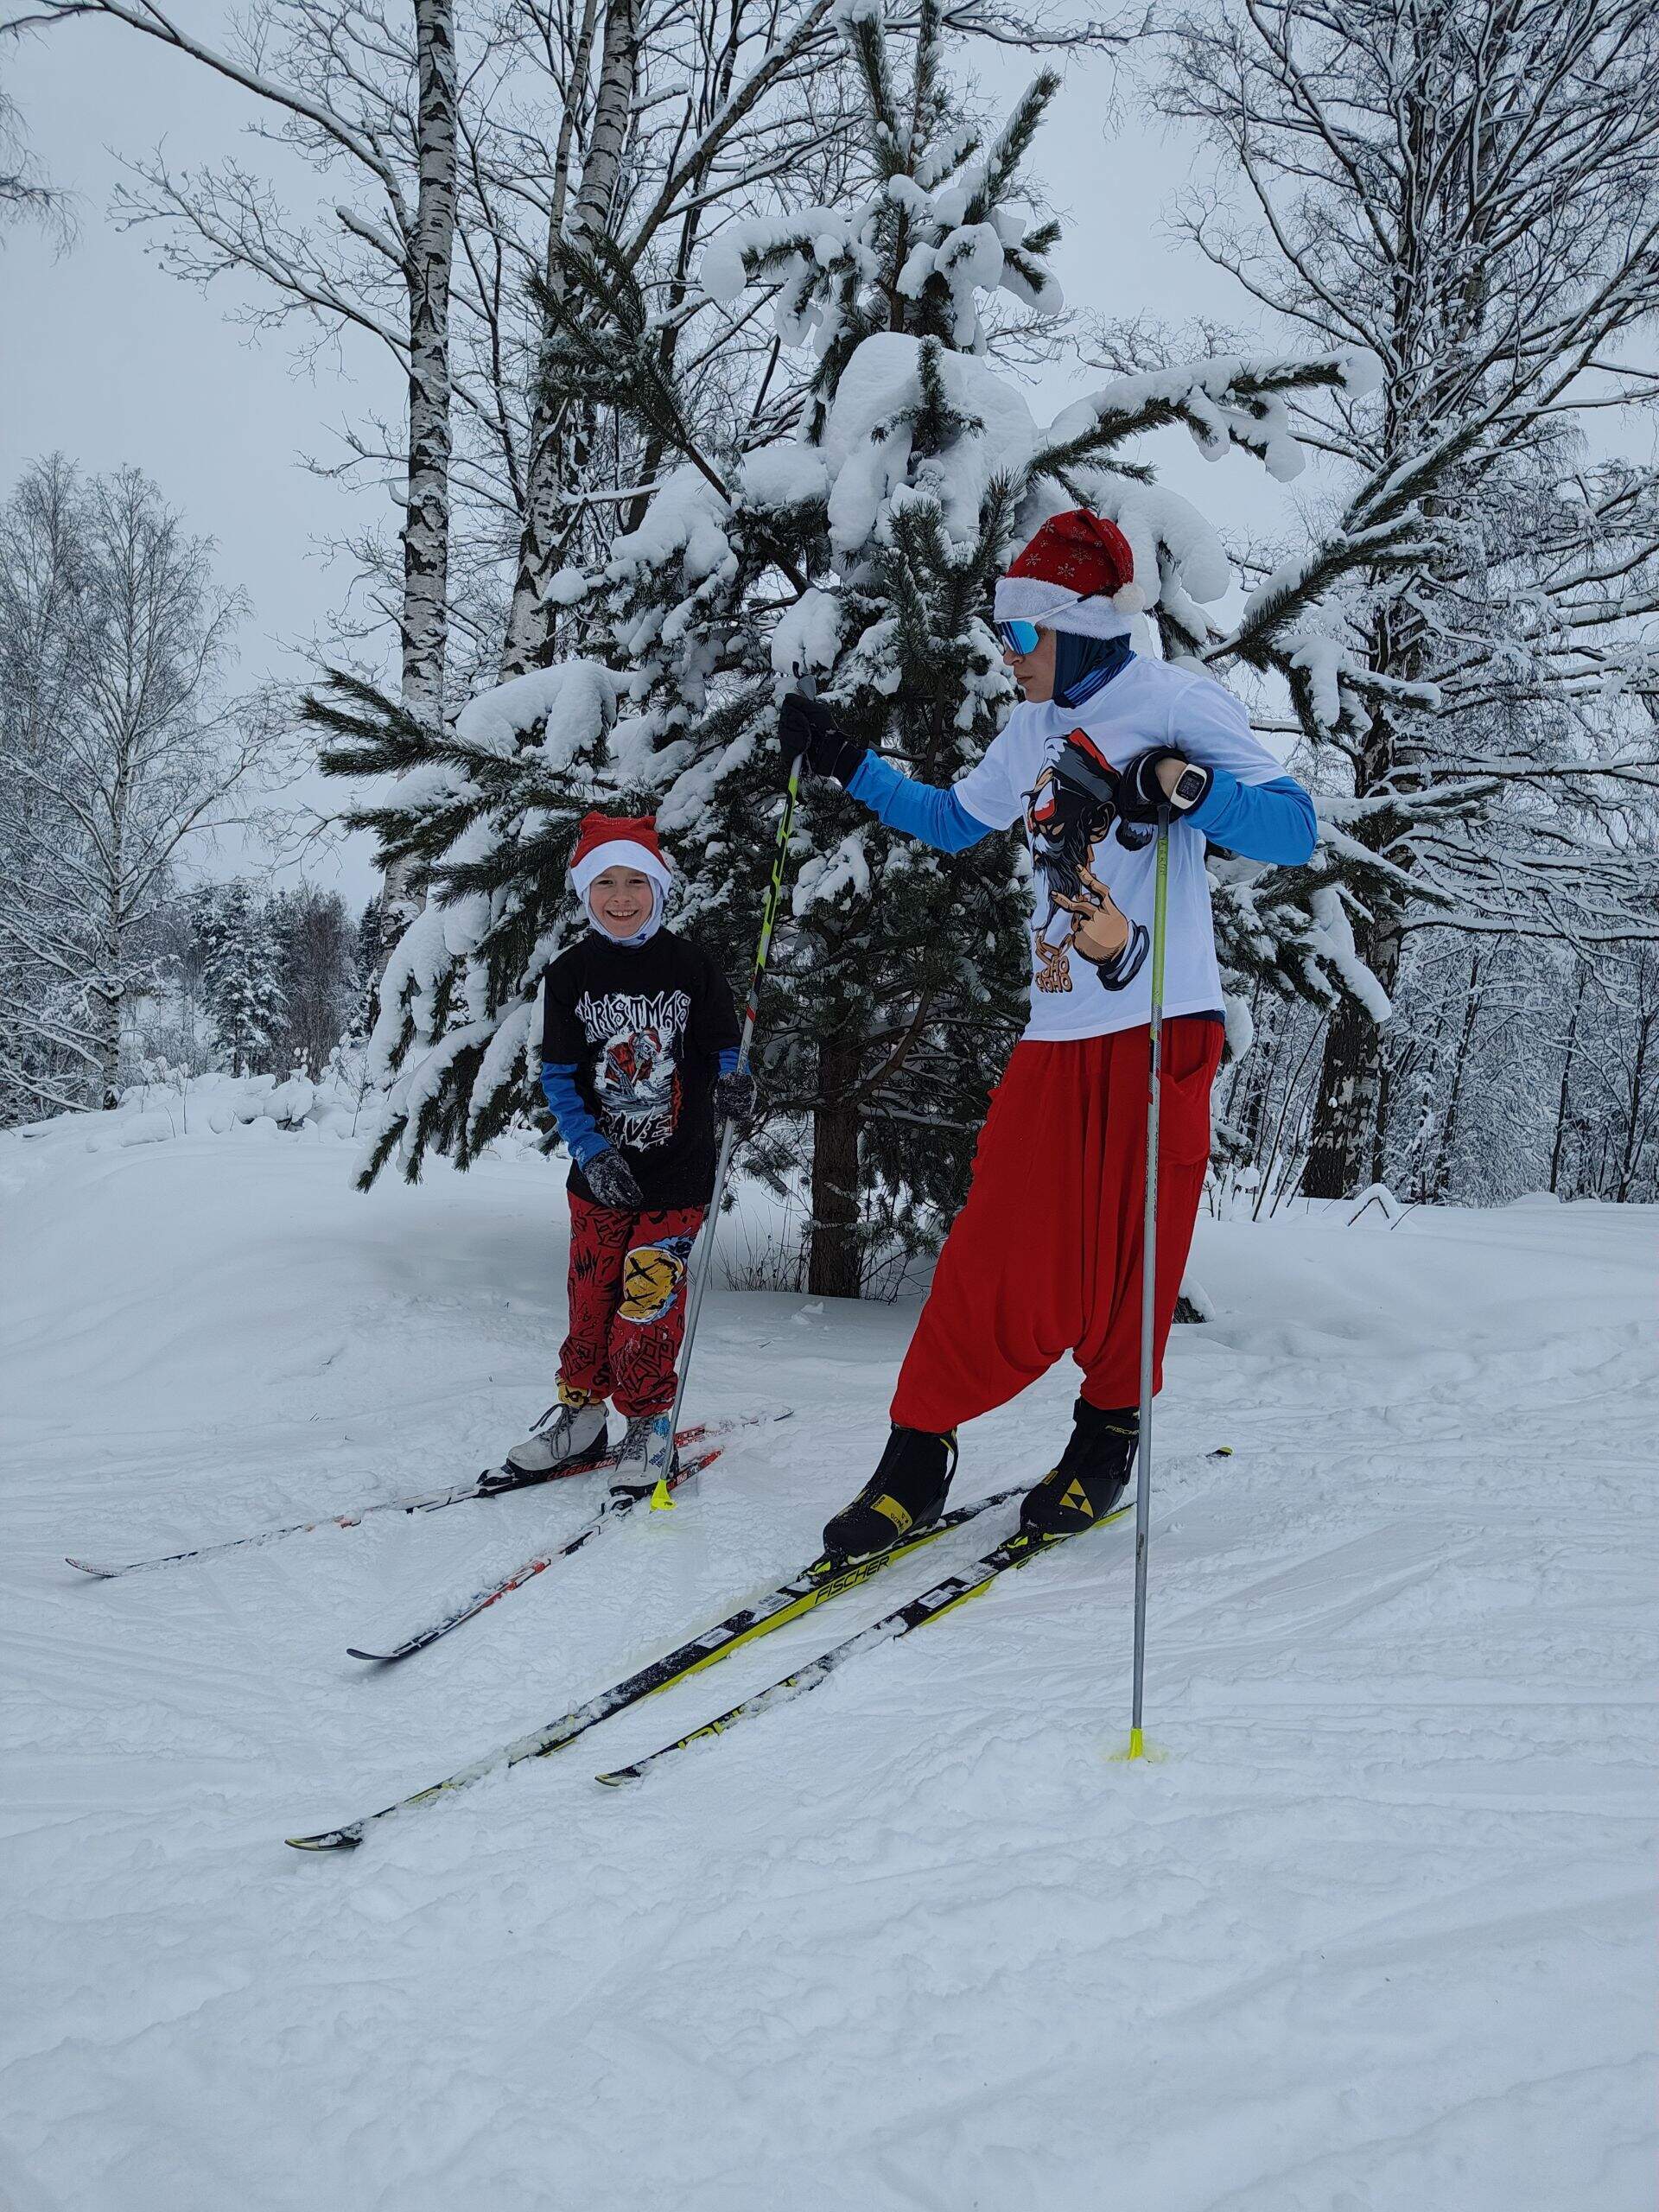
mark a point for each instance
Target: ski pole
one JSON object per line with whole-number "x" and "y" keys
{"x": 1148, "y": 1283}
{"x": 729, "y": 1135}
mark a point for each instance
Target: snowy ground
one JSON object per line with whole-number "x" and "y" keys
{"x": 1374, "y": 1938}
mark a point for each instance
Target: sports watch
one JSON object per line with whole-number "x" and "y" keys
{"x": 1190, "y": 786}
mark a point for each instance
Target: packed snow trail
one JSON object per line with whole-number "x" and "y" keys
{"x": 492, "y": 1483}
{"x": 1374, "y": 1937}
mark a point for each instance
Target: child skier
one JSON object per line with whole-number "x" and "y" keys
{"x": 1045, "y": 1256}
{"x": 638, "y": 1061}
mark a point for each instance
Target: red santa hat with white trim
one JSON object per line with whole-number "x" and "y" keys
{"x": 1077, "y": 575}
{"x": 618, "y": 840}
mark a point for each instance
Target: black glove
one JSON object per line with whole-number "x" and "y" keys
{"x": 612, "y": 1182}
{"x": 1140, "y": 794}
{"x": 807, "y": 733}
{"x": 735, "y": 1097}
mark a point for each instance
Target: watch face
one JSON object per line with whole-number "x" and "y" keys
{"x": 1190, "y": 787}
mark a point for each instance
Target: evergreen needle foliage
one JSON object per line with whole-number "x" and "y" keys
{"x": 854, "y": 555}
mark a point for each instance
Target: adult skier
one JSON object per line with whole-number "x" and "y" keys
{"x": 1045, "y": 1256}
{"x": 639, "y": 1040}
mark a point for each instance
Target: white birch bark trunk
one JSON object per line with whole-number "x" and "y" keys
{"x": 541, "y": 534}
{"x": 424, "y": 621}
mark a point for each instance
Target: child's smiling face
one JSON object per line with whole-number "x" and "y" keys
{"x": 619, "y": 900}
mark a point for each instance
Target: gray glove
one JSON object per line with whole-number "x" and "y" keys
{"x": 612, "y": 1182}
{"x": 735, "y": 1097}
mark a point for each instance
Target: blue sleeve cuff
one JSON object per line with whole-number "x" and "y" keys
{"x": 576, "y": 1125}
{"x": 937, "y": 817}
{"x": 1273, "y": 822}
{"x": 728, "y": 1059}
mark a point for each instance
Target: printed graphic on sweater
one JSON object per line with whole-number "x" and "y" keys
{"x": 1069, "y": 811}
{"x": 636, "y": 1074}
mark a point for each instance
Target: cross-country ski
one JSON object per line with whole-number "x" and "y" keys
{"x": 900, "y": 840}
{"x": 616, "y": 1507}
{"x": 815, "y": 1584}
{"x": 495, "y": 1482}
{"x": 940, "y": 1597}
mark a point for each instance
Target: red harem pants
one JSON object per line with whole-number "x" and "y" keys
{"x": 1045, "y": 1257}
{"x": 628, "y": 1304}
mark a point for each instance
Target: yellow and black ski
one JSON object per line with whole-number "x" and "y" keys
{"x": 815, "y": 1586}
{"x": 943, "y": 1598}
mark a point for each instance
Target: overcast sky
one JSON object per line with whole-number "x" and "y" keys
{"x": 108, "y": 359}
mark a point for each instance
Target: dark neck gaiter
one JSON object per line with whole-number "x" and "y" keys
{"x": 1083, "y": 665}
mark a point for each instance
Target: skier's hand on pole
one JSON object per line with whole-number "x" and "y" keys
{"x": 807, "y": 732}
{"x": 734, "y": 1099}
{"x": 613, "y": 1182}
{"x": 1159, "y": 777}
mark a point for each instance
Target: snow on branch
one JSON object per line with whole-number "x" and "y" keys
{"x": 1224, "y": 401}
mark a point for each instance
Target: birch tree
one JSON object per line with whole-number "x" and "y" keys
{"x": 43, "y": 585}
{"x": 354, "y": 90}
{"x": 1469, "y": 188}
{"x": 25, "y": 193}
{"x": 127, "y": 749}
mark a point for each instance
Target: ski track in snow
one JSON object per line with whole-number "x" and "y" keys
{"x": 1374, "y": 1937}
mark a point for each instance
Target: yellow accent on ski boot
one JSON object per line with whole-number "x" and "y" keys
{"x": 907, "y": 1491}
{"x": 1089, "y": 1476}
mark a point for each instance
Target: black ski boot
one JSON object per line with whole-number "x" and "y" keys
{"x": 1093, "y": 1472}
{"x": 907, "y": 1491}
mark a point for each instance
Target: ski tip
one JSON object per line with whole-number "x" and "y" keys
{"x": 620, "y": 1776}
{"x": 328, "y": 1840}
{"x": 376, "y": 1657}
{"x": 91, "y": 1567}
{"x": 1222, "y": 1452}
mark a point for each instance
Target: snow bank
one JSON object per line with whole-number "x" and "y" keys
{"x": 159, "y": 1111}
{"x": 339, "y": 1106}
{"x": 1375, "y": 1934}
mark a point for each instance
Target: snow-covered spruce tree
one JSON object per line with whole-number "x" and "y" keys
{"x": 484, "y": 817}
{"x": 1471, "y": 191}
{"x": 855, "y": 557}
{"x": 241, "y": 979}
{"x": 915, "y": 469}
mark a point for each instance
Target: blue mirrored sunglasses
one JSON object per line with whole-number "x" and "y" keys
{"x": 1020, "y": 638}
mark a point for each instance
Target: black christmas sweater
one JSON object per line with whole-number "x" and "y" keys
{"x": 633, "y": 1038}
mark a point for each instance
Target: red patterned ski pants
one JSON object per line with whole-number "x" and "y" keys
{"x": 628, "y": 1304}
{"x": 1045, "y": 1257}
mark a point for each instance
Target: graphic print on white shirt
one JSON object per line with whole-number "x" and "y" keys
{"x": 1070, "y": 810}
{"x": 1092, "y": 875}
